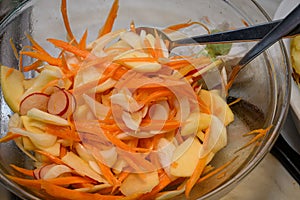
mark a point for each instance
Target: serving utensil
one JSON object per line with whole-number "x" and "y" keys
{"x": 251, "y": 33}
{"x": 288, "y": 24}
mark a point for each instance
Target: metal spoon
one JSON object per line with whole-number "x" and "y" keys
{"x": 289, "y": 23}
{"x": 251, "y": 33}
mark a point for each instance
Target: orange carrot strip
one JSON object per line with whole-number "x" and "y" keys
{"x": 185, "y": 25}
{"x": 195, "y": 176}
{"x": 203, "y": 106}
{"x": 62, "y": 132}
{"x": 9, "y": 72}
{"x": 164, "y": 181}
{"x": 36, "y": 183}
{"x": 50, "y": 157}
{"x": 156, "y": 95}
{"x": 122, "y": 176}
{"x": 64, "y": 193}
{"x": 137, "y": 59}
{"x": 214, "y": 172}
{"x": 49, "y": 84}
{"x": 24, "y": 171}
{"x": 70, "y": 48}
{"x": 63, "y": 151}
{"x": 232, "y": 77}
{"x": 36, "y": 45}
{"x": 33, "y": 66}
{"x": 82, "y": 42}
{"x": 167, "y": 125}
{"x": 157, "y": 47}
{"x": 70, "y": 180}
{"x": 9, "y": 136}
{"x": 106, "y": 171}
{"x": 13, "y": 46}
{"x": 107, "y": 27}
{"x": 43, "y": 57}
{"x": 148, "y": 48}
{"x": 26, "y": 182}
{"x": 121, "y": 144}
{"x": 64, "y": 12}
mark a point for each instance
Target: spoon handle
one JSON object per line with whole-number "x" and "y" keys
{"x": 287, "y": 25}
{"x": 251, "y": 33}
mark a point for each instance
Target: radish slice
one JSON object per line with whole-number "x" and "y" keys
{"x": 58, "y": 103}
{"x": 40, "y": 172}
{"x": 55, "y": 171}
{"x": 35, "y": 100}
{"x": 72, "y": 105}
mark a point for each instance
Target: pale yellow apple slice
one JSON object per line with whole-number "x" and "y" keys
{"x": 46, "y": 117}
{"x": 217, "y": 105}
{"x": 12, "y": 87}
{"x": 137, "y": 184}
{"x": 185, "y": 158}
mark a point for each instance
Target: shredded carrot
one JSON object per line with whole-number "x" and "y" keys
{"x": 82, "y": 42}
{"x": 195, "y": 176}
{"x": 234, "y": 102}
{"x": 260, "y": 133}
{"x": 216, "y": 171}
{"x": 49, "y": 84}
{"x": 106, "y": 171}
{"x": 132, "y": 26}
{"x": 62, "y": 132}
{"x": 232, "y": 76}
{"x": 13, "y": 46}
{"x": 63, "y": 151}
{"x": 164, "y": 181}
{"x": 43, "y": 57}
{"x": 137, "y": 59}
{"x": 33, "y": 66}
{"x": 35, "y": 45}
{"x": 121, "y": 144}
{"x": 122, "y": 176}
{"x": 148, "y": 48}
{"x": 9, "y": 72}
{"x": 65, "y": 17}
{"x": 27, "y": 172}
{"x": 70, "y": 48}
{"x": 107, "y": 27}
{"x": 50, "y": 157}
{"x": 9, "y": 136}
{"x": 36, "y": 183}
{"x": 64, "y": 193}
{"x": 176, "y": 27}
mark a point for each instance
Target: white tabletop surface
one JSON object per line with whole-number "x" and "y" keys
{"x": 269, "y": 180}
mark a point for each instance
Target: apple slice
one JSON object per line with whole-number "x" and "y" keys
{"x": 12, "y": 87}
{"x": 139, "y": 184}
{"x": 46, "y": 117}
{"x": 185, "y": 158}
{"x": 35, "y": 100}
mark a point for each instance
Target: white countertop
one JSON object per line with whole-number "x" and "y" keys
{"x": 269, "y": 180}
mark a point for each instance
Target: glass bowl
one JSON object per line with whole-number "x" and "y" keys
{"x": 263, "y": 86}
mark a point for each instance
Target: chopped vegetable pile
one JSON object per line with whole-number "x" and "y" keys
{"x": 120, "y": 117}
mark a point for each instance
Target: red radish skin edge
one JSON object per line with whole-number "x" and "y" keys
{"x": 71, "y": 106}
{"x": 34, "y": 100}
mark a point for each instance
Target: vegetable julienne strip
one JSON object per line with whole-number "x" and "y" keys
{"x": 24, "y": 171}
{"x": 65, "y": 17}
{"x": 107, "y": 27}
{"x": 97, "y": 134}
{"x": 60, "y": 192}
{"x": 68, "y": 47}
{"x": 36, "y": 183}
